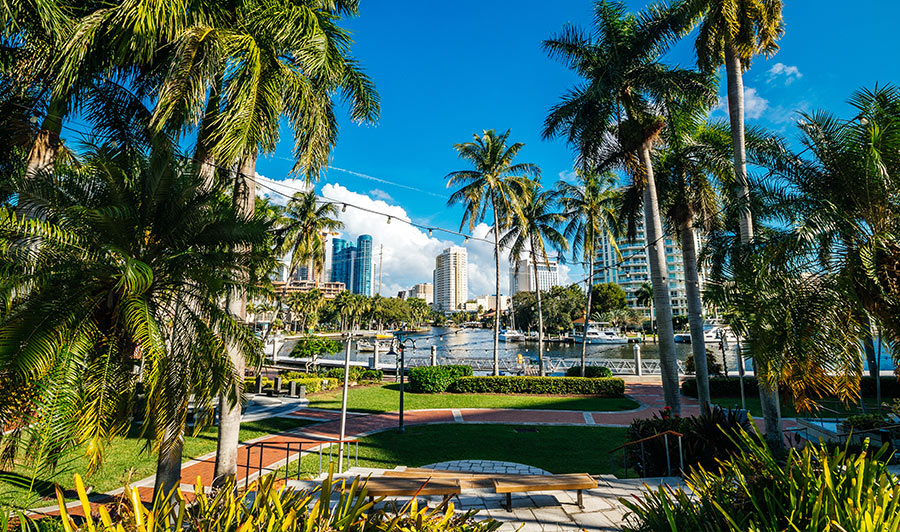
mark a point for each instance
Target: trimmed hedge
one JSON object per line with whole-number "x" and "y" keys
{"x": 436, "y": 379}
{"x": 316, "y": 384}
{"x": 606, "y": 387}
{"x": 357, "y": 374}
{"x": 730, "y": 387}
{"x": 590, "y": 372}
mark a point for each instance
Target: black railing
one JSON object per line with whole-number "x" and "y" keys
{"x": 665, "y": 437}
{"x": 298, "y": 449}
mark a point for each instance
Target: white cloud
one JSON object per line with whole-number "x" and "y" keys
{"x": 568, "y": 176}
{"x": 377, "y": 193}
{"x": 790, "y": 73}
{"x": 754, "y": 104}
{"x": 409, "y": 252}
{"x": 279, "y": 192}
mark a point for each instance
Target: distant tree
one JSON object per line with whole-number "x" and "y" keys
{"x": 606, "y": 297}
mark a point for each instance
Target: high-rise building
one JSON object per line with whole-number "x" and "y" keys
{"x": 451, "y": 279}
{"x": 633, "y": 270}
{"x": 351, "y": 264}
{"x": 362, "y": 267}
{"x": 521, "y": 279}
{"x": 422, "y": 291}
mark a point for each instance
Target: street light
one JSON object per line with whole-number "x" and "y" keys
{"x": 400, "y": 356}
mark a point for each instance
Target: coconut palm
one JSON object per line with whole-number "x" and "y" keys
{"x": 590, "y": 205}
{"x": 306, "y": 222}
{"x": 615, "y": 116}
{"x": 135, "y": 258}
{"x": 732, "y": 32}
{"x": 490, "y": 187}
{"x": 536, "y": 228}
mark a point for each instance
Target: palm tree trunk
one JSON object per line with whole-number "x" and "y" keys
{"x": 657, "y": 259}
{"x": 205, "y": 163}
{"x": 43, "y": 153}
{"x": 587, "y": 308}
{"x": 768, "y": 394}
{"x": 695, "y": 312}
{"x": 497, "y": 277}
{"x": 230, "y": 412}
{"x": 537, "y": 288}
{"x": 168, "y": 465}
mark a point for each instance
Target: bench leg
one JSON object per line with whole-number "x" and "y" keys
{"x": 509, "y": 502}
{"x": 580, "y": 500}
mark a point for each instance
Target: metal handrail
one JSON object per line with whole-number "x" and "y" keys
{"x": 320, "y": 444}
{"x": 665, "y": 436}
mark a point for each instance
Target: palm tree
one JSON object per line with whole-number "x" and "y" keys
{"x": 732, "y": 32}
{"x": 531, "y": 232}
{"x": 590, "y": 206}
{"x": 491, "y": 186}
{"x": 620, "y": 65}
{"x": 306, "y": 221}
{"x": 135, "y": 258}
{"x": 644, "y": 298}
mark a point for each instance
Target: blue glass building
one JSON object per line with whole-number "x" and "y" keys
{"x": 352, "y": 264}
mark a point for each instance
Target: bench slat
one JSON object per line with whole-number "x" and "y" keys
{"x": 523, "y": 483}
{"x": 400, "y": 486}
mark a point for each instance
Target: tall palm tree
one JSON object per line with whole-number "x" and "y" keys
{"x": 491, "y": 186}
{"x": 278, "y": 60}
{"x": 537, "y": 227}
{"x": 135, "y": 257}
{"x": 622, "y": 74}
{"x": 732, "y": 32}
{"x": 590, "y": 205}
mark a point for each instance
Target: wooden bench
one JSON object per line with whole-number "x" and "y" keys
{"x": 523, "y": 483}
{"x": 466, "y": 480}
{"x": 411, "y": 487}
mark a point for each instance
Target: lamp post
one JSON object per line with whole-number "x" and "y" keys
{"x": 401, "y": 371}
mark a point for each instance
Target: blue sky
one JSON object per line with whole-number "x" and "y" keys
{"x": 445, "y": 70}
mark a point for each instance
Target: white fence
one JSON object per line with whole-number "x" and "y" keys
{"x": 551, "y": 365}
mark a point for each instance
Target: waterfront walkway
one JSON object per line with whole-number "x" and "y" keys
{"x": 271, "y": 452}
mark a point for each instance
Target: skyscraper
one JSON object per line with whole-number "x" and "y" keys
{"x": 451, "y": 279}
{"x": 521, "y": 279}
{"x": 634, "y": 270}
{"x": 351, "y": 264}
{"x": 362, "y": 266}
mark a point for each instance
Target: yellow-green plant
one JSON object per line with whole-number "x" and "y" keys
{"x": 815, "y": 489}
{"x": 267, "y": 507}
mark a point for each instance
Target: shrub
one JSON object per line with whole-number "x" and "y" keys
{"x": 712, "y": 365}
{"x": 436, "y": 379}
{"x": 590, "y": 372}
{"x": 814, "y": 489}
{"x": 314, "y": 383}
{"x": 357, "y": 374}
{"x": 606, "y": 387}
{"x": 865, "y": 422}
{"x": 314, "y": 345}
{"x": 705, "y": 440}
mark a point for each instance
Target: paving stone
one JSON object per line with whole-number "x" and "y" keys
{"x": 596, "y": 521}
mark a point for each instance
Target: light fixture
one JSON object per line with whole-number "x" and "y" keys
{"x": 389, "y": 219}
{"x": 344, "y": 208}
{"x": 864, "y": 121}
{"x": 34, "y": 119}
{"x": 466, "y": 241}
{"x": 430, "y": 232}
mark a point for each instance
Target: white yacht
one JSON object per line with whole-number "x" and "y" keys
{"x": 596, "y": 336}
{"x": 511, "y": 335}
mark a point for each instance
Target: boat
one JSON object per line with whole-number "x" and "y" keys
{"x": 364, "y": 346}
{"x": 683, "y": 338}
{"x": 511, "y": 335}
{"x": 595, "y": 336}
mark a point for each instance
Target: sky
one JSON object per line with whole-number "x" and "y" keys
{"x": 446, "y": 70}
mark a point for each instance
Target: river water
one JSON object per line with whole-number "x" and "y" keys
{"x": 455, "y": 343}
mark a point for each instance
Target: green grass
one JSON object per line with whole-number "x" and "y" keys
{"x": 386, "y": 398}
{"x": 125, "y": 459}
{"x": 558, "y": 449}
{"x": 788, "y": 410}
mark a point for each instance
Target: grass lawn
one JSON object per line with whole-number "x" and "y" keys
{"x": 558, "y": 449}
{"x": 125, "y": 459}
{"x": 788, "y": 410}
{"x": 386, "y": 398}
